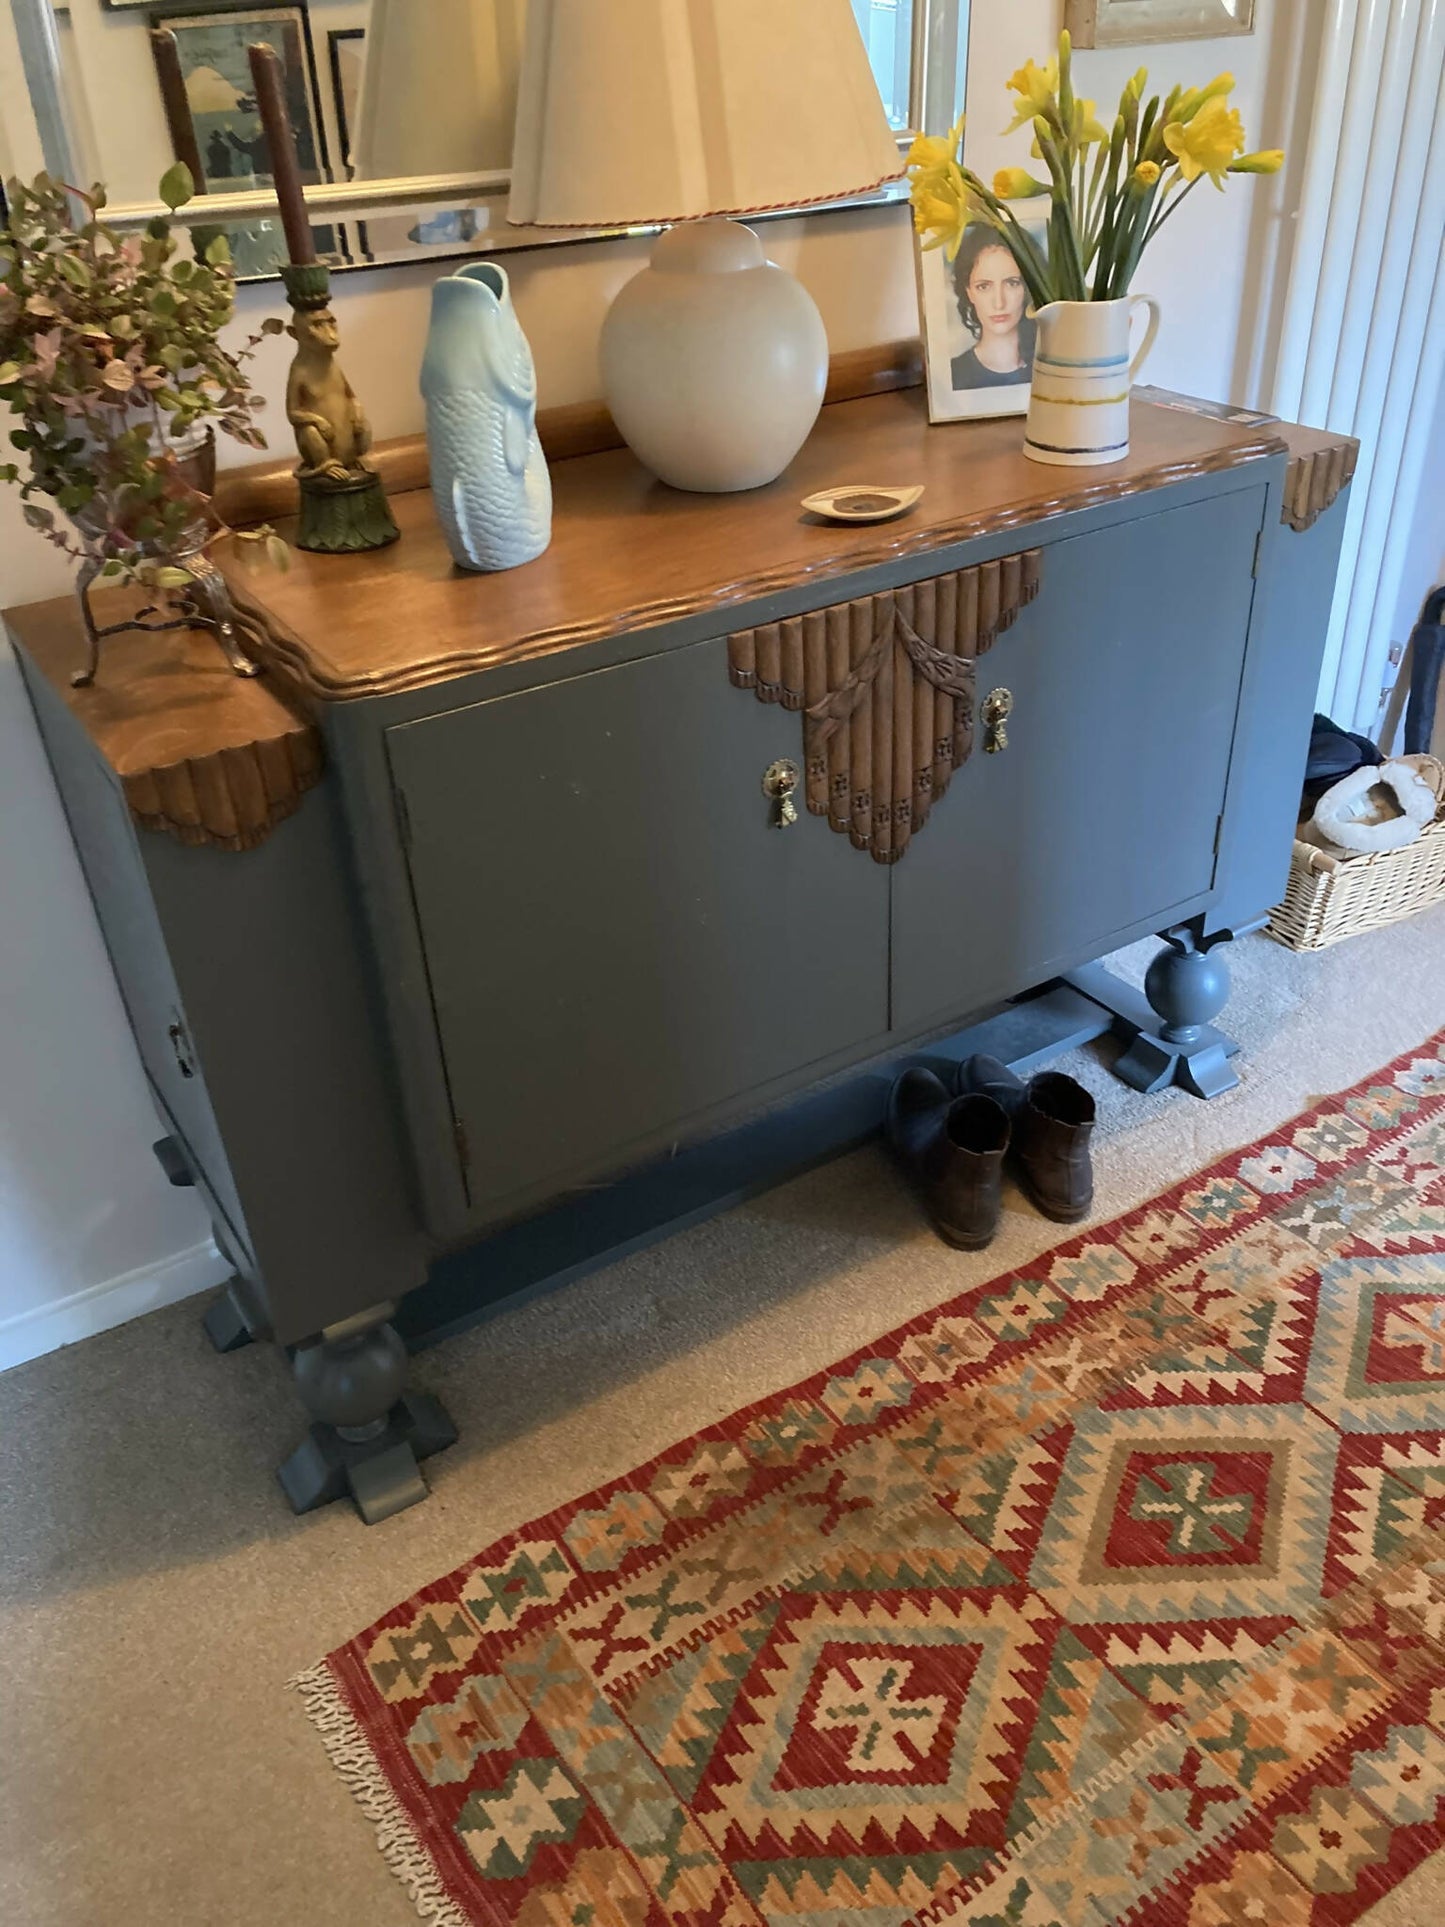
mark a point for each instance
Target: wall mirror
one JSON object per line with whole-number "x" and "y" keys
{"x": 403, "y": 111}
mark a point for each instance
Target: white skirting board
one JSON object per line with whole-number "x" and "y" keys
{"x": 44, "y": 1328}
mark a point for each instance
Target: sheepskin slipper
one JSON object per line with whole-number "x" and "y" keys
{"x": 1378, "y": 809}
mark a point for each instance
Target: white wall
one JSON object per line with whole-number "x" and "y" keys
{"x": 81, "y": 1203}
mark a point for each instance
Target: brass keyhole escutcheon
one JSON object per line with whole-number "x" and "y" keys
{"x": 780, "y": 779}
{"x": 997, "y": 708}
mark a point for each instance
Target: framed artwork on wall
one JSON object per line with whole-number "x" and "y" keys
{"x": 212, "y": 43}
{"x": 1132, "y": 23}
{"x": 978, "y": 341}
{"x": 345, "y": 55}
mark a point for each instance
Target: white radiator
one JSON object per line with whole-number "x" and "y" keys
{"x": 1363, "y": 341}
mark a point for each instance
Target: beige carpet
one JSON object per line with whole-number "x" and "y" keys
{"x": 155, "y": 1594}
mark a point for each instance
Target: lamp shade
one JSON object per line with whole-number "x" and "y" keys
{"x": 438, "y": 87}
{"x": 631, "y": 112}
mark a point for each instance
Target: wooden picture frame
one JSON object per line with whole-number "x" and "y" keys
{"x": 959, "y": 342}
{"x": 344, "y": 48}
{"x": 1134, "y": 23}
{"x": 211, "y": 42}
{"x": 343, "y": 45}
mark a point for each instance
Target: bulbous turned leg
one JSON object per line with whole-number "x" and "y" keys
{"x": 368, "y": 1433}
{"x": 1187, "y": 986}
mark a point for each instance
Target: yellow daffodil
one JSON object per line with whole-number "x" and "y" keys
{"x": 931, "y": 151}
{"x": 935, "y": 217}
{"x": 1037, "y": 89}
{"x": 1087, "y": 126}
{"x": 1207, "y": 143}
{"x": 1193, "y": 128}
{"x": 1017, "y": 184}
{"x": 1190, "y": 103}
{"x": 942, "y": 211}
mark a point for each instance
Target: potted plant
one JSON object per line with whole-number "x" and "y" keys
{"x": 1110, "y": 190}
{"x": 110, "y": 355}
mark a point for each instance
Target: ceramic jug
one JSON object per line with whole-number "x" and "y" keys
{"x": 1079, "y": 402}
{"x": 490, "y": 486}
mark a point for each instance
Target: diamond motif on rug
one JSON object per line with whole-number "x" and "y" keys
{"x": 1377, "y": 1363}
{"x": 1111, "y": 1592}
{"x": 878, "y": 1719}
{"x": 1189, "y": 1514}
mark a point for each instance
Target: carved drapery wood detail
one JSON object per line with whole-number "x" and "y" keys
{"x": 886, "y": 687}
{"x": 1315, "y": 479}
{"x": 230, "y": 799}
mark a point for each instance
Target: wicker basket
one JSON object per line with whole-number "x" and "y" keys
{"x": 1332, "y": 897}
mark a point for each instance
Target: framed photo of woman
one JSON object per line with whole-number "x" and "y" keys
{"x": 978, "y": 340}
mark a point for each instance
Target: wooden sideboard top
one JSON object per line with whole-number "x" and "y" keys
{"x": 217, "y": 759}
{"x": 209, "y": 756}
{"x": 628, "y": 552}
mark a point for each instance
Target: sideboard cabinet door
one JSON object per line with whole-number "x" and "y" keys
{"x": 1102, "y": 812}
{"x": 618, "y": 940}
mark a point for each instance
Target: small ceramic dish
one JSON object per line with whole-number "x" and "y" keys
{"x": 862, "y": 502}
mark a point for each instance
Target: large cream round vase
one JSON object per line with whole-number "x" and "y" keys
{"x": 714, "y": 360}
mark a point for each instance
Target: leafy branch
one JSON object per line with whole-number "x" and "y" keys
{"x": 110, "y": 355}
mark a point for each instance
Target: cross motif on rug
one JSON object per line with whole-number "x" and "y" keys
{"x": 1182, "y": 1496}
{"x": 870, "y": 1696}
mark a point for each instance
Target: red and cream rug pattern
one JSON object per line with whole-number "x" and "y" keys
{"x": 1113, "y": 1591}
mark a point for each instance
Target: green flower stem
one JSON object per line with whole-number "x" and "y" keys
{"x": 1164, "y": 212}
{"x": 1148, "y": 126}
{"x": 1066, "y": 85}
{"x": 1129, "y": 114}
{"x": 1096, "y": 204}
{"x": 1064, "y": 257}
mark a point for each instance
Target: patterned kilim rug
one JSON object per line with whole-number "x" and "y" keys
{"x": 1112, "y": 1591}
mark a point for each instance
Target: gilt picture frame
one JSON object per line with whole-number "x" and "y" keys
{"x": 1135, "y": 23}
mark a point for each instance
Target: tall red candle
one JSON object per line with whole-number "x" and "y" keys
{"x": 266, "y": 72}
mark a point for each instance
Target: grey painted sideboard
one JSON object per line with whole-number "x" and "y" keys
{"x": 483, "y": 895}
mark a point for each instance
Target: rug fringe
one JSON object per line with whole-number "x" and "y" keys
{"x": 351, "y": 1755}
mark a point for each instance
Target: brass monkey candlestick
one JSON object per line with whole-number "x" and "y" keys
{"x": 343, "y": 504}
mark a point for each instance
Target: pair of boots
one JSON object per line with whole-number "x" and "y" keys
{"x": 953, "y": 1143}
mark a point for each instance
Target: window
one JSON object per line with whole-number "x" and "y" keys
{"x": 918, "y": 50}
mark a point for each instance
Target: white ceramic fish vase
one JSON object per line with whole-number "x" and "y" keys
{"x": 490, "y": 485}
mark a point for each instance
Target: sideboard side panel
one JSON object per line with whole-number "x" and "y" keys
{"x": 1296, "y": 588}
{"x": 267, "y": 950}
{"x": 109, "y": 847}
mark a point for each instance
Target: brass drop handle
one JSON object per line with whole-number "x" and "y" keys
{"x": 780, "y": 779}
{"x": 997, "y": 708}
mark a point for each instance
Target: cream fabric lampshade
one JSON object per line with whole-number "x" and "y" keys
{"x": 634, "y": 112}
{"x": 640, "y": 111}
{"x": 438, "y": 87}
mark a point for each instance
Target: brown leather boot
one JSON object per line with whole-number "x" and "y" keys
{"x": 1052, "y": 1119}
{"x": 953, "y": 1150}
